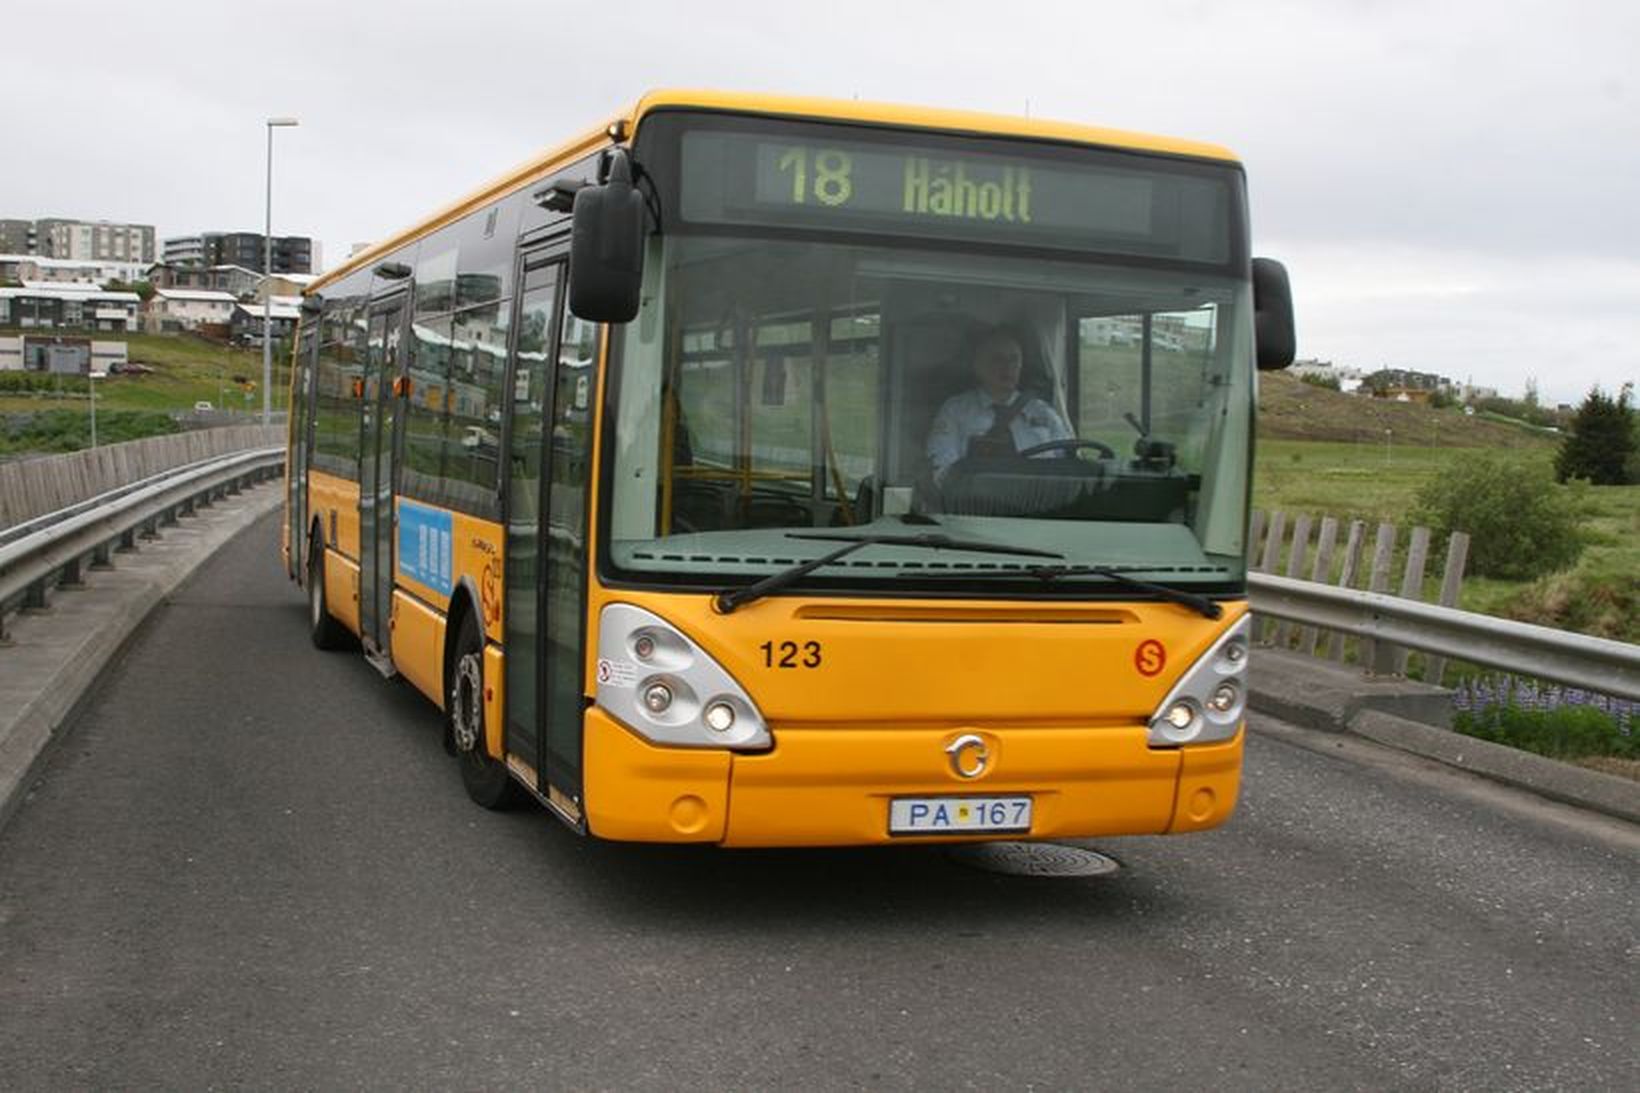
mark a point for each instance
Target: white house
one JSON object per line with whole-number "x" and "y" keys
{"x": 187, "y": 308}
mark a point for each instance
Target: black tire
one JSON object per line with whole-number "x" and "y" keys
{"x": 486, "y": 779}
{"x": 323, "y": 628}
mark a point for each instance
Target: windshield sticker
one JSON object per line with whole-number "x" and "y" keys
{"x": 616, "y": 673}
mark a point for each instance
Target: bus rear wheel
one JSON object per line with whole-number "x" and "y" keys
{"x": 325, "y": 631}
{"x": 486, "y": 780}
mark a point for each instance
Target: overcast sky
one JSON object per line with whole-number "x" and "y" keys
{"x": 1454, "y": 187}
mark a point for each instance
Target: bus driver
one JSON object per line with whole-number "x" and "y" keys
{"x": 996, "y": 418}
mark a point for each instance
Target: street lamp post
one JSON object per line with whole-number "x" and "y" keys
{"x": 267, "y": 272}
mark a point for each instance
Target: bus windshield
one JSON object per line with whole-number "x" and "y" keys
{"x": 874, "y": 378}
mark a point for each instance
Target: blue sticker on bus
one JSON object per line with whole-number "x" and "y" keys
{"x": 424, "y": 545}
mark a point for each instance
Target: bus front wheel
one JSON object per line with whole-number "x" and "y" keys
{"x": 486, "y": 780}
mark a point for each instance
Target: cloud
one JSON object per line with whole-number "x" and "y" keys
{"x": 1440, "y": 177}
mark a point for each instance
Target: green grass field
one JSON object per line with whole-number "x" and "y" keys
{"x": 1373, "y": 483}
{"x": 188, "y": 370}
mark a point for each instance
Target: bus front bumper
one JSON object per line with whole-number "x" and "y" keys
{"x": 832, "y": 786}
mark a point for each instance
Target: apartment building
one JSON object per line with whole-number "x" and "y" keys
{"x": 93, "y": 240}
{"x": 291, "y": 253}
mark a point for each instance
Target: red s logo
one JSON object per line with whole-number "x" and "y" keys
{"x": 1150, "y": 658}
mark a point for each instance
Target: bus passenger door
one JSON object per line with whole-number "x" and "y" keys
{"x": 383, "y": 365}
{"x": 549, "y": 459}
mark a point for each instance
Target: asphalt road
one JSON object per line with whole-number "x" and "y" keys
{"x": 252, "y": 865}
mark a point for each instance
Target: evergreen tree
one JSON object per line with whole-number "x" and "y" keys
{"x": 1601, "y": 441}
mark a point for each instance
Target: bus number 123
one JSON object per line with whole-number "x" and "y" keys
{"x": 788, "y": 654}
{"x": 832, "y": 183}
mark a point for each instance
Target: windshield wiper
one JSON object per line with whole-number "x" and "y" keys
{"x": 1167, "y": 592}
{"x": 729, "y": 600}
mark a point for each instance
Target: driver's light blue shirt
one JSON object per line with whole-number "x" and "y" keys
{"x": 972, "y": 413}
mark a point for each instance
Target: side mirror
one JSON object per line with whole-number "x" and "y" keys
{"x": 606, "y": 247}
{"x": 1273, "y": 333}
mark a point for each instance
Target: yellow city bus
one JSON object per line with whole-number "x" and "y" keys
{"x": 771, "y": 471}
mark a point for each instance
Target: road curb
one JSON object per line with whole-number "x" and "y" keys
{"x": 56, "y": 657}
{"x": 1550, "y": 778}
{"x": 1322, "y": 696}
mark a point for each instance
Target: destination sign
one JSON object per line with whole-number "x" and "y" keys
{"x": 851, "y": 185}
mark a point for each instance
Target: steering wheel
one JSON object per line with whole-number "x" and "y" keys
{"x": 1069, "y": 444}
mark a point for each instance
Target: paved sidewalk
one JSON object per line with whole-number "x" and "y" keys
{"x": 1414, "y": 717}
{"x": 56, "y": 655}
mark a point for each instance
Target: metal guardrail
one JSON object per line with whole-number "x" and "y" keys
{"x": 53, "y": 555}
{"x": 1593, "y": 664}
{"x": 22, "y": 531}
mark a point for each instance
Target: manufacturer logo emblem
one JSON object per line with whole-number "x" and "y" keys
{"x": 1150, "y": 658}
{"x": 969, "y": 756}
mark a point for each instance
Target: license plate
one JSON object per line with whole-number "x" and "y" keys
{"x": 959, "y": 815}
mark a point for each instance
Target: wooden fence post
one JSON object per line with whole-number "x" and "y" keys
{"x": 1319, "y": 572}
{"x": 1272, "y": 542}
{"x": 1383, "y": 554}
{"x": 1412, "y": 588}
{"x": 1268, "y": 562}
{"x": 1457, "y": 554}
{"x": 1295, "y": 568}
{"x": 1331, "y": 641}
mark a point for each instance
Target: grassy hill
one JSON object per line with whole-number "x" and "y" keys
{"x": 186, "y": 370}
{"x": 1290, "y": 409}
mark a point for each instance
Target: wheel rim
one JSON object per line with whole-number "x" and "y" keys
{"x": 466, "y": 713}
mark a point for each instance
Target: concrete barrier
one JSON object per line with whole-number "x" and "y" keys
{"x": 35, "y": 487}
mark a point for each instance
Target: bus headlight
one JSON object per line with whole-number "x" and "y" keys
{"x": 719, "y": 717}
{"x": 657, "y": 698}
{"x": 661, "y": 685}
{"x": 1207, "y": 703}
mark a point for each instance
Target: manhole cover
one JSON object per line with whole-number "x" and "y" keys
{"x": 1035, "y": 859}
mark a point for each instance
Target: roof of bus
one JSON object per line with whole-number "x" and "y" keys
{"x": 918, "y": 117}
{"x": 923, "y": 117}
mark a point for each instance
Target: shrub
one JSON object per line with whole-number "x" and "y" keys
{"x": 13, "y": 382}
{"x": 1603, "y": 605}
{"x": 1521, "y": 525}
{"x": 1320, "y": 379}
{"x": 70, "y": 430}
{"x": 1556, "y": 721}
{"x": 1567, "y": 732}
{"x": 1600, "y": 443}
{"x": 1518, "y": 409}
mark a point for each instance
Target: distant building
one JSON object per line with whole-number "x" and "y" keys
{"x": 173, "y": 309}
{"x": 184, "y": 250}
{"x": 286, "y": 284}
{"x": 34, "y": 267}
{"x": 247, "y": 320}
{"x": 291, "y": 253}
{"x": 71, "y": 356}
{"x": 1406, "y": 385}
{"x": 80, "y": 240}
{"x": 17, "y": 237}
{"x": 235, "y": 280}
{"x": 39, "y": 305}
